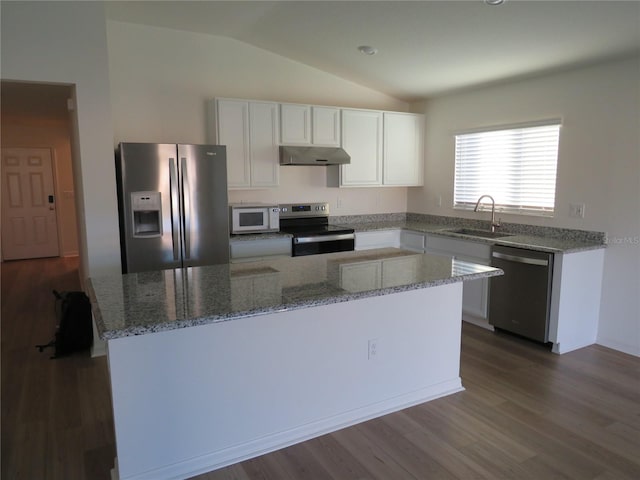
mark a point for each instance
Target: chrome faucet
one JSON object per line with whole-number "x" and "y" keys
{"x": 493, "y": 211}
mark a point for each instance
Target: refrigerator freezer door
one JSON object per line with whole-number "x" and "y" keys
{"x": 205, "y": 211}
{"x": 146, "y": 167}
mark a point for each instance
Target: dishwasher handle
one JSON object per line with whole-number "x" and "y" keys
{"x": 519, "y": 259}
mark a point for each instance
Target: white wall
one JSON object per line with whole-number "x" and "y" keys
{"x": 598, "y": 164}
{"x": 161, "y": 80}
{"x": 65, "y": 43}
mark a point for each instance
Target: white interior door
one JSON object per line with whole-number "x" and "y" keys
{"x": 29, "y": 227}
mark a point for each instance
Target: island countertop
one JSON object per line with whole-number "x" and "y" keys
{"x": 148, "y": 302}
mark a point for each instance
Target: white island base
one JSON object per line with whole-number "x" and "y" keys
{"x": 195, "y": 399}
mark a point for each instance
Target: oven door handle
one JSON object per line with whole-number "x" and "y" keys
{"x": 324, "y": 238}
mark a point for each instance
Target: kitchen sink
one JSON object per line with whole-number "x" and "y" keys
{"x": 479, "y": 233}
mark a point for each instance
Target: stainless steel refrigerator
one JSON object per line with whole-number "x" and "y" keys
{"x": 173, "y": 205}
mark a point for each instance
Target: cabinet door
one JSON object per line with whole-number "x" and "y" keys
{"x": 412, "y": 241}
{"x": 325, "y": 126}
{"x": 232, "y": 125}
{"x": 362, "y": 139}
{"x": 242, "y": 250}
{"x": 379, "y": 239}
{"x": 263, "y": 142}
{"x": 361, "y": 277}
{"x": 403, "y": 149}
{"x": 475, "y": 294}
{"x": 295, "y": 124}
{"x": 400, "y": 271}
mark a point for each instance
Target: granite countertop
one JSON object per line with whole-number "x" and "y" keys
{"x": 545, "y": 239}
{"x": 141, "y": 303}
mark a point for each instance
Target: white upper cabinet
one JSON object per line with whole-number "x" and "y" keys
{"x": 263, "y": 135}
{"x": 249, "y": 130}
{"x": 232, "y": 130}
{"x": 403, "y": 149}
{"x": 362, "y": 140}
{"x": 325, "y": 126}
{"x": 386, "y": 149}
{"x": 309, "y": 125}
{"x": 295, "y": 124}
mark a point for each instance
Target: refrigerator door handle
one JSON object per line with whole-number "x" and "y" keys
{"x": 186, "y": 205}
{"x": 175, "y": 208}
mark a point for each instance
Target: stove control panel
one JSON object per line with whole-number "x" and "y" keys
{"x": 301, "y": 210}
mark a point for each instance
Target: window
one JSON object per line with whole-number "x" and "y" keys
{"x": 515, "y": 165}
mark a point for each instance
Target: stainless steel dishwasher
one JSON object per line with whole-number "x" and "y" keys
{"x": 519, "y": 301}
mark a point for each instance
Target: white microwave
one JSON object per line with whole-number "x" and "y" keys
{"x": 254, "y": 218}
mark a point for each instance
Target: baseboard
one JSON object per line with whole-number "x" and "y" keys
{"x": 479, "y": 322}
{"x": 620, "y": 347}
{"x": 276, "y": 441}
{"x": 564, "y": 347}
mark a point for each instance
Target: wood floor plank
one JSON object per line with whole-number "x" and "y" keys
{"x": 404, "y": 452}
{"x": 336, "y": 459}
{"x": 451, "y": 458}
{"x": 525, "y": 414}
{"x": 375, "y": 459}
{"x": 301, "y": 462}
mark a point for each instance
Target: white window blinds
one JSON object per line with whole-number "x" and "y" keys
{"x": 516, "y": 166}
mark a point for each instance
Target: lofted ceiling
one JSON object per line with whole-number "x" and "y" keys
{"x": 425, "y": 48}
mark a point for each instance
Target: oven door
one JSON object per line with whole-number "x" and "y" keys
{"x": 316, "y": 244}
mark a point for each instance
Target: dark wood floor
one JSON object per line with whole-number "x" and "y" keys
{"x": 525, "y": 414}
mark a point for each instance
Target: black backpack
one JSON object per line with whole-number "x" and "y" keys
{"x": 75, "y": 329}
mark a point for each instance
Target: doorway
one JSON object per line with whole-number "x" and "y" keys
{"x": 37, "y": 146}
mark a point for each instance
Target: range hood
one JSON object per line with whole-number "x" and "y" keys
{"x": 313, "y": 156}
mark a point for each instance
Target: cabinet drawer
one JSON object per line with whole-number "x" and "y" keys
{"x": 379, "y": 239}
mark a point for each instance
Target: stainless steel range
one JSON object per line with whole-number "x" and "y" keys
{"x": 312, "y": 234}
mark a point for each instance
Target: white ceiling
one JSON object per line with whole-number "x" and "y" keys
{"x": 425, "y": 48}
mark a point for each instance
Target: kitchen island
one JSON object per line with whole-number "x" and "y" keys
{"x": 213, "y": 365}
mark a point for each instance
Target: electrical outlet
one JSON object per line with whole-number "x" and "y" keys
{"x": 339, "y": 202}
{"x": 438, "y": 200}
{"x": 576, "y": 210}
{"x": 373, "y": 348}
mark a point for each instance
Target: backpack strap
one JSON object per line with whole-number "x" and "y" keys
{"x": 41, "y": 348}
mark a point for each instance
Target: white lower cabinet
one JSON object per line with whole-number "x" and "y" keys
{"x": 475, "y": 296}
{"x": 412, "y": 241}
{"x": 400, "y": 271}
{"x": 387, "y": 273}
{"x": 360, "y": 277}
{"x": 249, "y": 250}
{"x": 378, "y": 239}
{"x": 575, "y": 299}
{"x": 255, "y": 288}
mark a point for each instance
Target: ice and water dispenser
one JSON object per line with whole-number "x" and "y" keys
{"x": 146, "y": 209}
